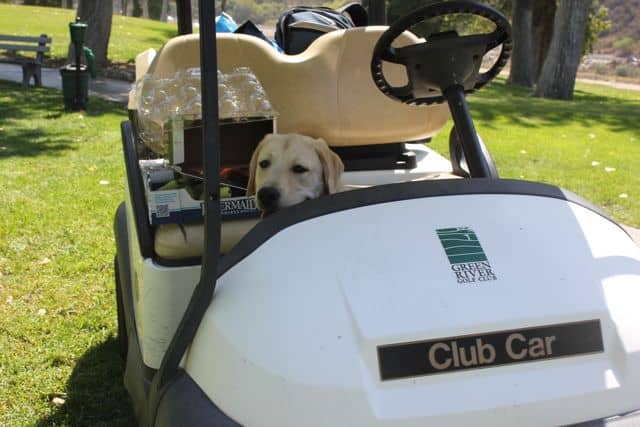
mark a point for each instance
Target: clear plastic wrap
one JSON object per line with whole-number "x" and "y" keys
{"x": 240, "y": 97}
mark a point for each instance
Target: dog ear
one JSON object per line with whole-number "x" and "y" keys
{"x": 332, "y": 166}
{"x": 251, "y": 185}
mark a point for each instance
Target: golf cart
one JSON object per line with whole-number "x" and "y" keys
{"x": 431, "y": 293}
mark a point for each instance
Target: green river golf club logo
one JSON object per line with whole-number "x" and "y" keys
{"x": 467, "y": 258}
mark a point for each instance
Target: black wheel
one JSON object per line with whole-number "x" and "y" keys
{"x": 123, "y": 338}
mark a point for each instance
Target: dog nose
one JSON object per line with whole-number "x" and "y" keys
{"x": 268, "y": 198}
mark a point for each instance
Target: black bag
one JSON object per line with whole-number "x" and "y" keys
{"x": 250, "y": 29}
{"x": 297, "y": 28}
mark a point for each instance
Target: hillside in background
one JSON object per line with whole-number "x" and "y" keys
{"x": 622, "y": 40}
{"x": 624, "y": 37}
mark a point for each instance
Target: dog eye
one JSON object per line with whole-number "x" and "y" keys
{"x": 264, "y": 164}
{"x": 299, "y": 169}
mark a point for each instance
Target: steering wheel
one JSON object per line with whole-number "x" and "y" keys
{"x": 444, "y": 59}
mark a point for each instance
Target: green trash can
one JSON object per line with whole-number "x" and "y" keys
{"x": 75, "y": 77}
{"x": 75, "y": 86}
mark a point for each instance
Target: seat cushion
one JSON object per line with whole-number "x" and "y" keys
{"x": 182, "y": 241}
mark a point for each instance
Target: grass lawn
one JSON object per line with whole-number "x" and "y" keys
{"x": 129, "y": 36}
{"x": 62, "y": 179}
{"x": 590, "y": 146}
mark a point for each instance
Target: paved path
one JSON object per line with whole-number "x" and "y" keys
{"x": 113, "y": 90}
{"x": 117, "y": 90}
{"x": 617, "y": 85}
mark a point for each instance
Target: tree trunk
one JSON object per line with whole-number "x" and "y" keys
{"x": 158, "y": 9}
{"x": 544, "y": 12}
{"x": 145, "y": 8}
{"x": 155, "y": 9}
{"x": 558, "y": 75}
{"x": 136, "y": 8}
{"x": 165, "y": 10}
{"x": 68, "y": 4}
{"x": 97, "y": 15}
{"x": 522, "y": 57}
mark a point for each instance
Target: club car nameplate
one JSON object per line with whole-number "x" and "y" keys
{"x": 488, "y": 350}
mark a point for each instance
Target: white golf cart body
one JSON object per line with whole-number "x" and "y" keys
{"x": 317, "y": 306}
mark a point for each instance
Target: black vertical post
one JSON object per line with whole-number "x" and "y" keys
{"x": 377, "y": 12}
{"x": 77, "y": 47}
{"x": 204, "y": 290}
{"x": 211, "y": 142}
{"x": 183, "y": 10}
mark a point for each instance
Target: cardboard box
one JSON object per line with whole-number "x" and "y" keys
{"x": 177, "y": 206}
{"x": 238, "y": 139}
{"x": 173, "y": 207}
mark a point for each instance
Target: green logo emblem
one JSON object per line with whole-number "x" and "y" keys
{"x": 467, "y": 258}
{"x": 461, "y": 245}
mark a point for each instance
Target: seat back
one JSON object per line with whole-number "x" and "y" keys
{"x": 326, "y": 91}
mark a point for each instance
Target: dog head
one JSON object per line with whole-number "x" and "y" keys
{"x": 289, "y": 169}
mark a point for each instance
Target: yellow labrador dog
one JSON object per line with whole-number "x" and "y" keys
{"x": 286, "y": 169}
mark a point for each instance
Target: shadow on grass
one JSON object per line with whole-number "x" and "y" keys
{"x": 503, "y": 101}
{"x": 19, "y": 102}
{"x": 95, "y": 392}
{"x": 33, "y": 121}
{"x": 32, "y": 143}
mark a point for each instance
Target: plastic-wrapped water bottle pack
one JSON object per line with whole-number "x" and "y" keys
{"x": 240, "y": 97}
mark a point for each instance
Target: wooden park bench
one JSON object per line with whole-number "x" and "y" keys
{"x": 31, "y": 67}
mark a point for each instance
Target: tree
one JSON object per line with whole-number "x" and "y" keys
{"x": 97, "y": 15}
{"x": 522, "y": 57}
{"x": 136, "y": 8}
{"x": 145, "y": 8}
{"x": 124, "y": 7}
{"x": 598, "y": 22}
{"x": 544, "y": 12}
{"x": 165, "y": 10}
{"x": 558, "y": 75}
{"x": 158, "y": 9}
{"x": 398, "y": 8}
{"x": 543, "y": 16}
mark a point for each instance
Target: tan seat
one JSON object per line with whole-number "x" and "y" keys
{"x": 326, "y": 91}
{"x": 175, "y": 241}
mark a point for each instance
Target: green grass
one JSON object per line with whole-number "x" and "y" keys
{"x": 57, "y": 304}
{"x": 556, "y": 142}
{"x": 129, "y": 36}
{"x": 57, "y": 307}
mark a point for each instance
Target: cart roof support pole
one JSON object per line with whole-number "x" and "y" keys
{"x": 203, "y": 293}
{"x": 183, "y": 10}
{"x": 377, "y": 12}
{"x": 211, "y": 142}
